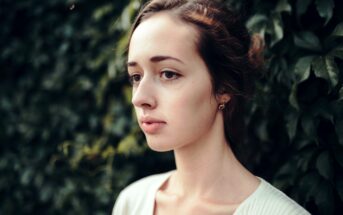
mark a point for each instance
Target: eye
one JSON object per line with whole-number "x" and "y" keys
{"x": 135, "y": 79}
{"x": 169, "y": 75}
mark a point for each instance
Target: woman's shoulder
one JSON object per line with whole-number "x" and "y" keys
{"x": 139, "y": 194}
{"x": 147, "y": 183}
{"x": 269, "y": 200}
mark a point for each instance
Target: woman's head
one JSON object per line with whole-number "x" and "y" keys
{"x": 224, "y": 45}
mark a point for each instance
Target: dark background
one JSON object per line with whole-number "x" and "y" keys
{"x": 69, "y": 141}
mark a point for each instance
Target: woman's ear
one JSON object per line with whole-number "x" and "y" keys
{"x": 223, "y": 98}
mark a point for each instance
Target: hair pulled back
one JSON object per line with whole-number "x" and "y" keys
{"x": 232, "y": 56}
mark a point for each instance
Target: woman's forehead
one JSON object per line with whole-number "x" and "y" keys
{"x": 163, "y": 33}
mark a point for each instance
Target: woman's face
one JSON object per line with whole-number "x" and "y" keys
{"x": 172, "y": 89}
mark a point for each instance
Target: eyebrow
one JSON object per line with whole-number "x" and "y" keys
{"x": 155, "y": 59}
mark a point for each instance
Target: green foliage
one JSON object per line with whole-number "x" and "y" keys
{"x": 69, "y": 141}
{"x": 63, "y": 113}
{"x": 303, "y": 84}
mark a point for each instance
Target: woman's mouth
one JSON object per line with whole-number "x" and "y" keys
{"x": 151, "y": 126}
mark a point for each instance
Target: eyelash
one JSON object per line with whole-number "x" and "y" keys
{"x": 132, "y": 79}
{"x": 175, "y": 76}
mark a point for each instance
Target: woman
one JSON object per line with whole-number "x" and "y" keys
{"x": 189, "y": 63}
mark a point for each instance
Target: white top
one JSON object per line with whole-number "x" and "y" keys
{"x": 139, "y": 199}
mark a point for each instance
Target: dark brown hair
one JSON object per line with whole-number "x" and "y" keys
{"x": 232, "y": 56}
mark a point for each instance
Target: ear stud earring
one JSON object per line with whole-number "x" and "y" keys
{"x": 221, "y": 106}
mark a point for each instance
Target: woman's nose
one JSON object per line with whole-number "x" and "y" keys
{"x": 144, "y": 95}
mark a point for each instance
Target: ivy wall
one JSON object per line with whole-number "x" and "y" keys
{"x": 69, "y": 141}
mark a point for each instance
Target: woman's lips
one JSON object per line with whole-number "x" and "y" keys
{"x": 152, "y": 126}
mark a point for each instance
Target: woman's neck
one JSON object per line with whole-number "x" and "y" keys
{"x": 208, "y": 169}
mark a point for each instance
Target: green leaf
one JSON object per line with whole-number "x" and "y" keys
{"x": 338, "y": 31}
{"x": 323, "y": 109}
{"x": 308, "y": 124}
{"x": 324, "y": 198}
{"x": 337, "y": 52}
{"x": 257, "y": 23}
{"x": 129, "y": 146}
{"x": 302, "y": 68}
{"x": 26, "y": 176}
{"x": 333, "y": 41}
{"x": 339, "y": 156}
{"x": 262, "y": 131}
{"x": 302, "y": 6}
{"x": 292, "y": 123}
{"x": 111, "y": 68}
{"x": 127, "y": 92}
{"x": 102, "y": 11}
{"x": 127, "y": 14}
{"x": 45, "y": 193}
{"x": 277, "y": 34}
{"x": 122, "y": 45}
{"x": 325, "y": 67}
{"x": 324, "y": 165}
{"x": 302, "y": 144}
{"x": 125, "y": 19}
{"x": 325, "y": 9}
{"x": 283, "y": 6}
{"x": 307, "y": 40}
{"x": 309, "y": 184}
{"x": 293, "y": 97}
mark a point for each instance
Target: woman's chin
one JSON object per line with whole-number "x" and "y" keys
{"x": 159, "y": 146}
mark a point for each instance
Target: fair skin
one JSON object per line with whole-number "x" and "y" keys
{"x": 178, "y": 110}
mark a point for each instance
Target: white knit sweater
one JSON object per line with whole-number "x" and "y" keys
{"x": 139, "y": 199}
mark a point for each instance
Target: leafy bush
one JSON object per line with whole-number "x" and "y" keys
{"x": 69, "y": 141}
{"x": 62, "y": 107}
{"x": 296, "y": 118}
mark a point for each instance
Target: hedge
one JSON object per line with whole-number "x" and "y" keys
{"x": 69, "y": 140}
